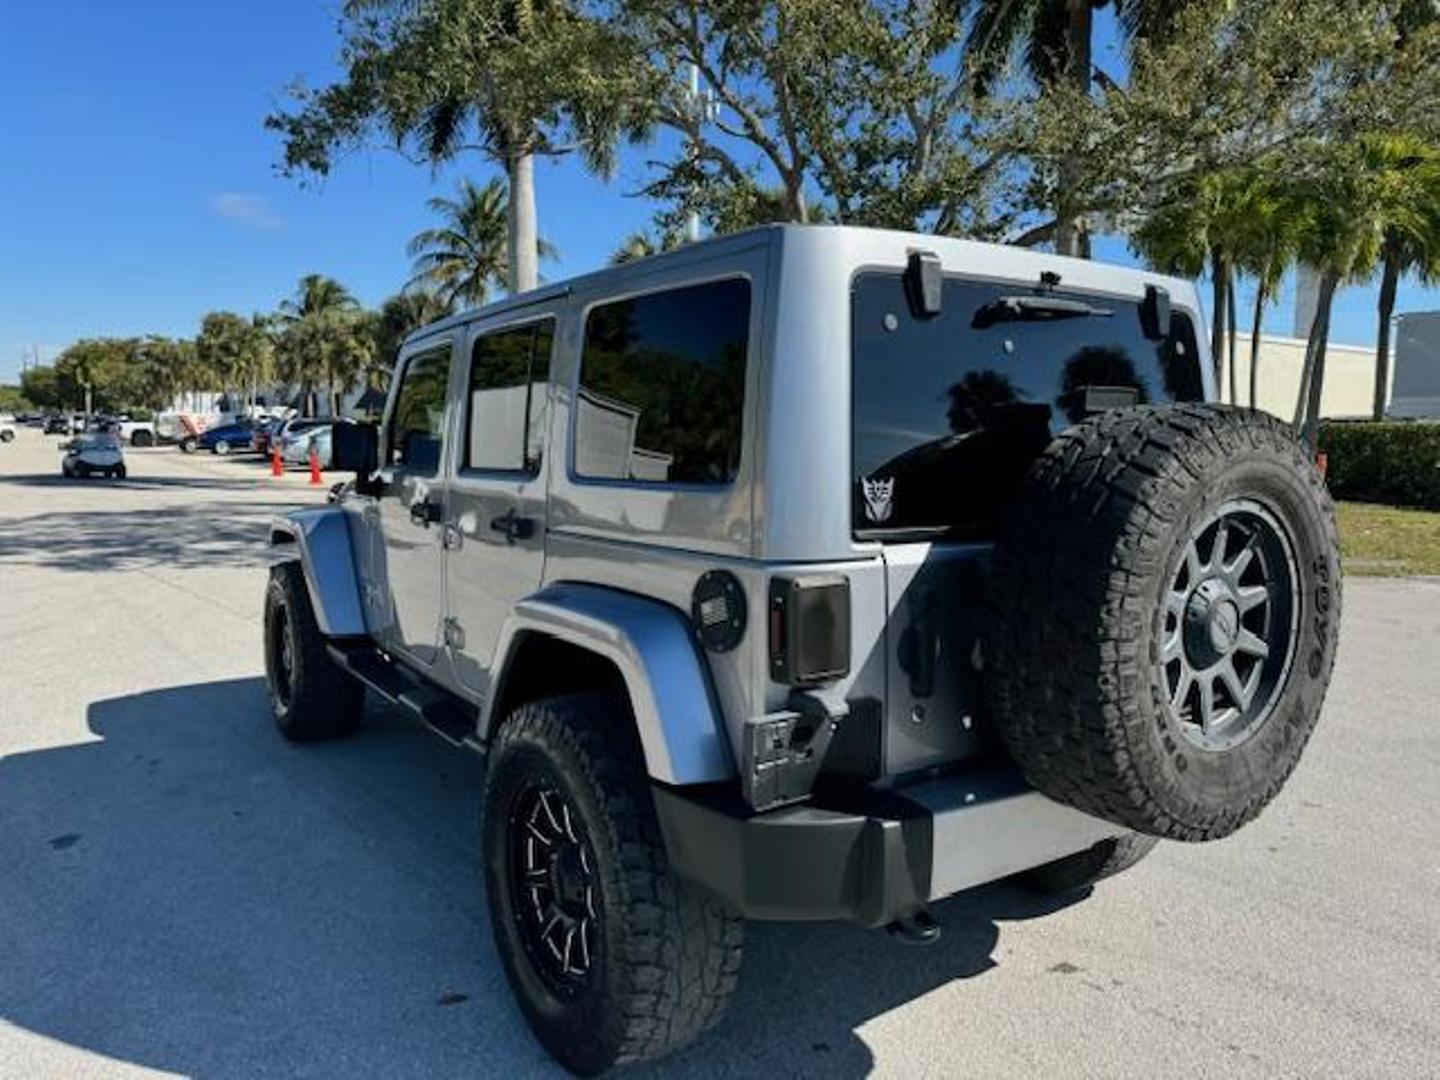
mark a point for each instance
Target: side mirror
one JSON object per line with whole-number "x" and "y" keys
{"x": 355, "y": 448}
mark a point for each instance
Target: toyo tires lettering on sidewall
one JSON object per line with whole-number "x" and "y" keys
{"x": 1167, "y": 598}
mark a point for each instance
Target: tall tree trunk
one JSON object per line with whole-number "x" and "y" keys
{"x": 1219, "y": 273}
{"x": 1319, "y": 338}
{"x": 1389, "y": 280}
{"x": 1261, "y": 295}
{"x": 1070, "y": 238}
{"x": 1230, "y": 335}
{"x": 522, "y": 240}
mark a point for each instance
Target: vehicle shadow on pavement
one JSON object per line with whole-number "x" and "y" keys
{"x": 199, "y": 534}
{"x": 138, "y": 481}
{"x": 191, "y": 893}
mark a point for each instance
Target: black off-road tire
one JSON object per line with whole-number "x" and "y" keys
{"x": 665, "y": 959}
{"x": 142, "y": 439}
{"x": 189, "y": 444}
{"x": 1084, "y": 570}
{"x": 1085, "y": 868}
{"x": 311, "y": 698}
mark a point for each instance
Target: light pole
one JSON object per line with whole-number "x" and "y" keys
{"x": 703, "y": 109}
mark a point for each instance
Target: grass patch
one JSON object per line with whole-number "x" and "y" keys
{"x": 1389, "y": 541}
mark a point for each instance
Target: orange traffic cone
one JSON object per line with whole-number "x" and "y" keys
{"x": 277, "y": 468}
{"x": 315, "y": 477}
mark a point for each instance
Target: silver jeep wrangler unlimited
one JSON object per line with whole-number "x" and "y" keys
{"x": 811, "y": 573}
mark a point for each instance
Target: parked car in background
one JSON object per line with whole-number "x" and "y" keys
{"x": 296, "y": 430}
{"x": 87, "y": 455}
{"x": 318, "y": 439}
{"x": 57, "y": 425}
{"x": 222, "y": 439}
{"x": 137, "y": 432}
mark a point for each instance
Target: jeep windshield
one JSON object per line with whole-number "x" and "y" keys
{"x": 950, "y": 410}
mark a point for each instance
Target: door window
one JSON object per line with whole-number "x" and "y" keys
{"x": 505, "y": 414}
{"x": 417, "y": 427}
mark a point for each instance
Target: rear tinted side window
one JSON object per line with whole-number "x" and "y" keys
{"x": 417, "y": 427}
{"x": 505, "y": 419}
{"x": 662, "y": 386}
{"x": 950, "y": 411}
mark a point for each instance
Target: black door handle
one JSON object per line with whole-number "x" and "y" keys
{"x": 423, "y": 512}
{"x": 513, "y": 526}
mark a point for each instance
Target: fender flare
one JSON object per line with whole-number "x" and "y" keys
{"x": 652, "y": 645}
{"x": 327, "y": 557}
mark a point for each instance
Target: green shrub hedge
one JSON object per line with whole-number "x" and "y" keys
{"x": 1395, "y": 463}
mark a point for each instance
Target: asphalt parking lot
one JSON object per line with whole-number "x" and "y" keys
{"x": 181, "y": 892}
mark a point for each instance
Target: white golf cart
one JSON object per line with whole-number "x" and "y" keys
{"x": 86, "y": 455}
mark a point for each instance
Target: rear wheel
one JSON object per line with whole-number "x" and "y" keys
{"x": 142, "y": 439}
{"x": 188, "y": 444}
{"x": 120, "y": 472}
{"x": 221, "y": 447}
{"x": 611, "y": 957}
{"x": 6, "y": 435}
{"x": 310, "y": 696}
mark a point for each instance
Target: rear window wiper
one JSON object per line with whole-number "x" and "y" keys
{"x": 1034, "y": 309}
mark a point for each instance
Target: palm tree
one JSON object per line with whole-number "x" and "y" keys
{"x": 316, "y": 295}
{"x": 1184, "y": 235}
{"x": 1056, "y": 39}
{"x": 1408, "y": 197}
{"x": 401, "y": 315}
{"x": 1341, "y": 238}
{"x": 467, "y": 255}
{"x": 642, "y": 243}
{"x": 1266, "y": 225}
{"x": 323, "y": 340}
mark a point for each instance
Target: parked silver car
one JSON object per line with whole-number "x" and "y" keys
{"x": 811, "y": 573}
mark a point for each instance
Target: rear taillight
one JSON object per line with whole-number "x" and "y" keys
{"x": 809, "y": 629}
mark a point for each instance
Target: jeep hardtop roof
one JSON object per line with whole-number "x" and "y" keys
{"x": 989, "y": 260}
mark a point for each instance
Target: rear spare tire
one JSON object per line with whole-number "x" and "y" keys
{"x": 1167, "y": 596}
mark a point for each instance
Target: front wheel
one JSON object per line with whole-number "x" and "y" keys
{"x": 119, "y": 472}
{"x": 6, "y": 436}
{"x": 188, "y": 444}
{"x": 311, "y": 697}
{"x": 612, "y": 958}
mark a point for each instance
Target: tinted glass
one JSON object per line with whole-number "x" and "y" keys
{"x": 662, "y": 386}
{"x": 417, "y": 428}
{"x": 509, "y": 371}
{"x": 950, "y": 411}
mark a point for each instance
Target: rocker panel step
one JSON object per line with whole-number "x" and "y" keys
{"x": 451, "y": 718}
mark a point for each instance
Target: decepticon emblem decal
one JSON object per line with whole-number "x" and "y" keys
{"x": 878, "y": 495}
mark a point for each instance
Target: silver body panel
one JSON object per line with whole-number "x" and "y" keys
{"x": 651, "y": 645}
{"x": 327, "y": 555}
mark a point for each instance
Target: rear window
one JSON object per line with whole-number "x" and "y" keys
{"x": 949, "y": 411}
{"x": 662, "y": 386}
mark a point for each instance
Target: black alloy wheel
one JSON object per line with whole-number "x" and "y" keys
{"x": 554, "y": 892}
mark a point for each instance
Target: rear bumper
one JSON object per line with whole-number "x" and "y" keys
{"x": 877, "y": 861}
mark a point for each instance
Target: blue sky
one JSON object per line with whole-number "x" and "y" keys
{"x": 137, "y": 188}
